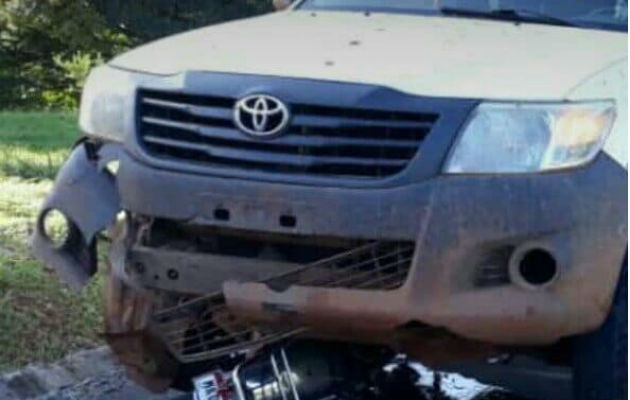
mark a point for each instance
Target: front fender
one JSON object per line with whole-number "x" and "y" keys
{"x": 85, "y": 192}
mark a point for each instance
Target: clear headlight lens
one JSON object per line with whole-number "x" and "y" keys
{"x": 531, "y": 137}
{"x": 107, "y": 103}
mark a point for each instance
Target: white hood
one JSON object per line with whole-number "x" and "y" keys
{"x": 433, "y": 56}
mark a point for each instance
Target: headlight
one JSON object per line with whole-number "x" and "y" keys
{"x": 531, "y": 137}
{"x": 107, "y": 103}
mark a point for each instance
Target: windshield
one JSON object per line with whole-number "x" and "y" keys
{"x": 602, "y": 14}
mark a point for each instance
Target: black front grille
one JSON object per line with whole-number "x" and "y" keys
{"x": 321, "y": 140}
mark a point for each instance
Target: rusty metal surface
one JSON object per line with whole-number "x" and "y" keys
{"x": 203, "y": 329}
{"x": 182, "y": 266}
{"x": 127, "y": 332}
{"x": 195, "y": 273}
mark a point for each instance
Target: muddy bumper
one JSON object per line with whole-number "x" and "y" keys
{"x": 469, "y": 234}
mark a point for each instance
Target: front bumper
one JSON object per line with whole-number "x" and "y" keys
{"x": 459, "y": 224}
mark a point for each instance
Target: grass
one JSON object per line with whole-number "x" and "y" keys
{"x": 35, "y": 144}
{"x": 40, "y": 320}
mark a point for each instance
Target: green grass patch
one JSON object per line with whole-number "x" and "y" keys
{"x": 39, "y": 130}
{"x": 40, "y": 320}
{"x": 33, "y": 145}
{"x": 19, "y": 202}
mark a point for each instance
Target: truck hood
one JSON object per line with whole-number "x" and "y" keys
{"x": 432, "y": 56}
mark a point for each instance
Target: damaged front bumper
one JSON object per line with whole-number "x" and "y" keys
{"x": 462, "y": 231}
{"x": 85, "y": 192}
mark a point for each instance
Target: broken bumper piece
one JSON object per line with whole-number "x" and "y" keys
{"x": 85, "y": 193}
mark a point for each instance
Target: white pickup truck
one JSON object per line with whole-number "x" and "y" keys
{"x": 414, "y": 175}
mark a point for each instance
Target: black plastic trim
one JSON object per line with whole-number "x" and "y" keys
{"x": 425, "y": 164}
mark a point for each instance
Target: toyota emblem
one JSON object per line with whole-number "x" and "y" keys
{"x": 261, "y": 115}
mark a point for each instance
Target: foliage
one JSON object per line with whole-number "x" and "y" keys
{"x": 44, "y": 44}
{"x": 149, "y": 19}
{"x": 74, "y": 71}
{"x": 47, "y": 47}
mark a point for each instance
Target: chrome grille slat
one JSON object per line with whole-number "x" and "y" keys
{"x": 320, "y": 140}
{"x": 342, "y": 122}
{"x": 256, "y": 156}
{"x": 200, "y": 111}
{"x": 311, "y": 140}
{"x": 173, "y": 124}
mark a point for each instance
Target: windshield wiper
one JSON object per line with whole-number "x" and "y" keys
{"x": 507, "y": 14}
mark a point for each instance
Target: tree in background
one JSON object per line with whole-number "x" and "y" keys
{"x": 150, "y": 19}
{"x": 47, "y": 47}
{"x": 43, "y": 44}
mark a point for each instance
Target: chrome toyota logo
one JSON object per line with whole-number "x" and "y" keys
{"x": 261, "y": 115}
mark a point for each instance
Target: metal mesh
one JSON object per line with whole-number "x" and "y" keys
{"x": 376, "y": 266}
{"x": 203, "y": 328}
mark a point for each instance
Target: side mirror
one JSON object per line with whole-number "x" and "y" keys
{"x": 280, "y": 5}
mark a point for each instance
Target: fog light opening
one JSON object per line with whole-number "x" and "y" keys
{"x": 55, "y": 226}
{"x": 537, "y": 267}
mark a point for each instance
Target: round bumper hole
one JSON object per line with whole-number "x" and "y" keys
{"x": 55, "y": 227}
{"x": 538, "y": 267}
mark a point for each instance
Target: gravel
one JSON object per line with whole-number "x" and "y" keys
{"x": 86, "y": 375}
{"x": 94, "y": 375}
